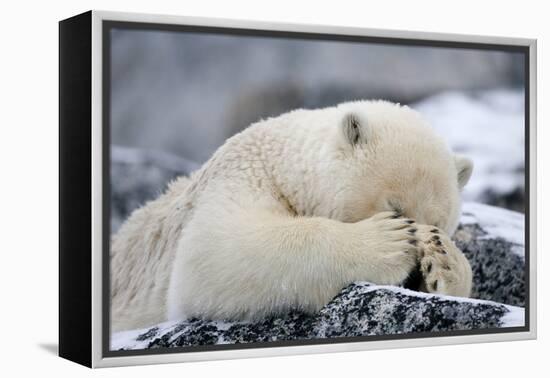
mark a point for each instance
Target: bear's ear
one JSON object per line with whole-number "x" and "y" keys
{"x": 354, "y": 129}
{"x": 464, "y": 168}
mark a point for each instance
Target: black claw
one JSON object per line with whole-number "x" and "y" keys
{"x": 447, "y": 267}
{"x": 409, "y": 221}
{"x": 438, "y": 243}
{"x": 435, "y": 286}
{"x": 414, "y": 280}
{"x": 436, "y": 237}
{"x": 413, "y": 242}
{"x": 435, "y": 231}
{"x": 429, "y": 268}
{"x": 412, "y": 231}
{"x": 396, "y": 215}
{"x": 442, "y": 251}
{"x": 422, "y": 252}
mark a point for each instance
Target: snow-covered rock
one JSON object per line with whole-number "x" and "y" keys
{"x": 361, "y": 309}
{"x": 491, "y": 238}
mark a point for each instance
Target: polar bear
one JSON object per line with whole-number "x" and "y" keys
{"x": 291, "y": 210}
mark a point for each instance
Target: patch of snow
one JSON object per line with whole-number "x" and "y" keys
{"x": 497, "y": 222}
{"x": 224, "y": 326}
{"x": 514, "y": 318}
{"x": 488, "y": 127}
{"x": 128, "y": 339}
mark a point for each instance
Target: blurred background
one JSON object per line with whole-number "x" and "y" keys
{"x": 177, "y": 96}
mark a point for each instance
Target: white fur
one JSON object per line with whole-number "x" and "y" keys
{"x": 285, "y": 214}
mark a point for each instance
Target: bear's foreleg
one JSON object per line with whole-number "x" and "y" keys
{"x": 248, "y": 264}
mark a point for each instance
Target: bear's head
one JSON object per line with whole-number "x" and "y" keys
{"x": 385, "y": 157}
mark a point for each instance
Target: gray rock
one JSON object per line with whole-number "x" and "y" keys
{"x": 138, "y": 176}
{"x": 361, "y": 309}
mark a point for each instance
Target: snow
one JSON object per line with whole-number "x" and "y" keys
{"x": 488, "y": 127}
{"x": 514, "y": 318}
{"x": 128, "y": 339}
{"x": 497, "y": 222}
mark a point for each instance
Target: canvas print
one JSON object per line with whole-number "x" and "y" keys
{"x": 279, "y": 189}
